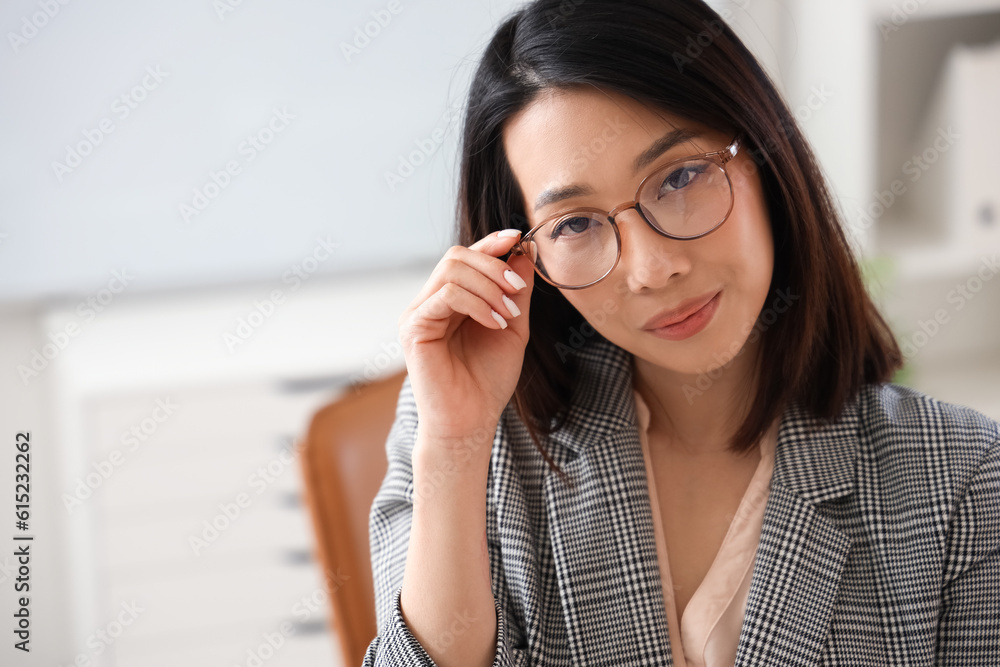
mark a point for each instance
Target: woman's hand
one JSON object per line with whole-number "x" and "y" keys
{"x": 463, "y": 338}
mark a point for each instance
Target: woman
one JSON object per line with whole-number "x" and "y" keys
{"x": 679, "y": 443}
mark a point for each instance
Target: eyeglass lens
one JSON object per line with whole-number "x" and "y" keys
{"x": 684, "y": 199}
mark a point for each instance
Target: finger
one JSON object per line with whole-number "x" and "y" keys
{"x": 453, "y": 300}
{"x": 495, "y": 269}
{"x": 525, "y": 270}
{"x": 497, "y": 243}
{"x": 521, "y": 266}
{"x": 525, "y": 263}
{"x": 486, "y": 287}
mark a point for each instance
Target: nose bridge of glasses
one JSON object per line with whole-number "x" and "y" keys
{"x": 621, "y": 208}
{"x": 632, "y": 233}
{"x": 640, "y": 216}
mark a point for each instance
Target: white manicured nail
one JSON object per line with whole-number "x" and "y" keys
{"x": 514, "y": 279}
{"x": 511, "y": 306}
{"x": 509, "y": 232}
{"x": 501, "y": 321}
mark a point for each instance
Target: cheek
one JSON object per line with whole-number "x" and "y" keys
{"x": 600, "y": 308}
{"x": 748, "y": 240}
{"x": 748, "y": 248}
{"x": 758, "y": 254}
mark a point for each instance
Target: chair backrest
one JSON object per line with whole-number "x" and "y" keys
{"x": 343, "y": 464}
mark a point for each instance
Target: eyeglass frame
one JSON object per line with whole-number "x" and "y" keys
{"x": 721, "y": 157}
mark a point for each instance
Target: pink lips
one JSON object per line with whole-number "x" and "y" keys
{"x": 694, "y": 316}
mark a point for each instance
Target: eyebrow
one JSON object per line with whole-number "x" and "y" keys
{"x": 658, "y": 148}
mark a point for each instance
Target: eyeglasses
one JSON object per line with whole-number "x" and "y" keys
{"x": 683, "y": 199}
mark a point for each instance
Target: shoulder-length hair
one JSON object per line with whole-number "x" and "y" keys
{"x": 681, "y": 57}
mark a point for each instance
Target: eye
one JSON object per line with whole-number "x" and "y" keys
{"x": 573, "y": 226}
{"x": 680, "y": 178}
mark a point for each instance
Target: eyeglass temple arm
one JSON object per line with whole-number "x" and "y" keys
{"x": 729, "y": 152}
{"x": 518, "y": 249}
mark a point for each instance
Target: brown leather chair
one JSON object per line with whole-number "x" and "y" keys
{"x": 343, "y": 464}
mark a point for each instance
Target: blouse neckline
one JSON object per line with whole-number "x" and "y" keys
{"x": 708, "y": 632}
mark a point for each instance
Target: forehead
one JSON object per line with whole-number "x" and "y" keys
{"x": 585, "y": 136}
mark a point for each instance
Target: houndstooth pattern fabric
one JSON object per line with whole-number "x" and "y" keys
{"x": 880, "y": 542}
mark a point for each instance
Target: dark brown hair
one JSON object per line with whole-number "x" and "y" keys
{"x": 681, "y": 57}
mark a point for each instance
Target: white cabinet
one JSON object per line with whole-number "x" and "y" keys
{"x": 183, "y": 456}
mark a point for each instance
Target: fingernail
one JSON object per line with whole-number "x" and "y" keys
{"x": 511, "y": 306}
{"x": 501, "y": 321}
{"x": 514, "y": 279}
{"x": 506, "y": 233}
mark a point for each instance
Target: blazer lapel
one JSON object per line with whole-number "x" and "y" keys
{"x": 799, "y": 563}
{"x": 605, "y": 558}
{"x": 601, "y": 526}
{"x": 801, "y": 553}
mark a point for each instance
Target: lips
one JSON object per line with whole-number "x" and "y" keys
{"x": 683, "y": 311}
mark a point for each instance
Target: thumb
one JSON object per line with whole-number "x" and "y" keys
{"x": 524, "y": 268}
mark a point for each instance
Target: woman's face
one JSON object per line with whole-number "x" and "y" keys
{"x": 590, "y": 138}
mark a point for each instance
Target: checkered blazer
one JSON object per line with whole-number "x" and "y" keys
{"x": 880, "y": 542}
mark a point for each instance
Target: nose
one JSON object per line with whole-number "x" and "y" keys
{"x": 648, "y": 259}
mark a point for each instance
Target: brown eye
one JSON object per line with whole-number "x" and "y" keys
{"x": 680, "y": 178}
{"x": 570, "y": 227}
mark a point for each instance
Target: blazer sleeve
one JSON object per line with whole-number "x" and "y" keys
{"x": 389, "y": 533}
{"x": 969, "y": 626}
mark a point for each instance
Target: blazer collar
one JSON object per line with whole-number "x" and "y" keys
{"x": 604, "y": 551}
{"x": 812, "y": 459}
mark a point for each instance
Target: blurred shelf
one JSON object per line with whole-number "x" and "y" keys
{"x": 927, "y": 225}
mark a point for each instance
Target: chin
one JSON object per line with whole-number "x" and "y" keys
{"x": 701, "y": 354}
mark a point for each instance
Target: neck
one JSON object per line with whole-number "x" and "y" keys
{"x": 696, "y": 419}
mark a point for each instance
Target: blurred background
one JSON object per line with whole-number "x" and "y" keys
{"x": 213, "y": 212}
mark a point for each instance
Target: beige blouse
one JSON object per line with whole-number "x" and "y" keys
{"x": 709, "y": 630}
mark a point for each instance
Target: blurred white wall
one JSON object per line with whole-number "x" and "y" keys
{"x": 192, "y": 145}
